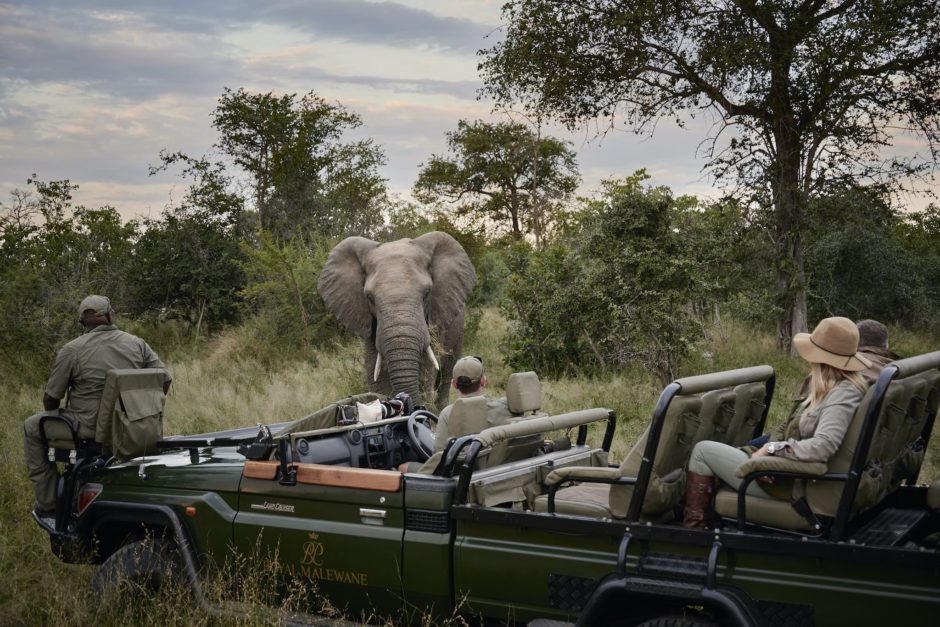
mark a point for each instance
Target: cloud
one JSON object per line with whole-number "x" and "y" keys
{"x": 387, "y": 23}
{"x": 104, "y": 56}
{"x": 363, "y": 21}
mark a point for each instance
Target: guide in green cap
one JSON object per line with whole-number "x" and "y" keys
{"x": 78, "y": 376}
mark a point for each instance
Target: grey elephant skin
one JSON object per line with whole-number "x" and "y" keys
{"x": 396, "y": 296}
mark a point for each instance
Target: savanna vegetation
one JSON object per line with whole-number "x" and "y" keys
{"x": 607, "y": 296}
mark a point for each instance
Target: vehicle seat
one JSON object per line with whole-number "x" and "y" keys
{"x": 468, "y": 415}
{"x": 933, "y": 495}
{"x": 524, "y": 394}
{"x": 130, "y": 414}
{"x": 65, "y": 440}
{"x": 724, "y": 406}
{"x": 524, "y": 399}
{"x": 895, "y": 451}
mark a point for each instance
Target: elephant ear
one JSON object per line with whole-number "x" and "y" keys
{"x": 452, "y": 275}
{"x": 342, "y": 283}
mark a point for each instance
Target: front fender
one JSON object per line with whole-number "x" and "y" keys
{"x": 101, "y": 514}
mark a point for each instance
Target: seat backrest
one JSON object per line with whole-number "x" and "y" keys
{"x": 523, "y": 393}
{"x": 468, "y": 415}
{"x": 896, "y": 450}
{"x": 724, "y": 406}
{"x": 130, "y": 413}
{"x": 680, "y": 424}
{"x": 731, "y": 415}
{"x": 515, "y": 449}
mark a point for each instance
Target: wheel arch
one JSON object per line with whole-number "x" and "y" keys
{"x": 111, "y": 524}
{"x": 665, "y": 597}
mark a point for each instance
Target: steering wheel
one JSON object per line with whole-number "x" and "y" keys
{"x": 420, "y": 434}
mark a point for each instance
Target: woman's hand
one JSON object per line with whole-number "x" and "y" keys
{"x": 762, "y": 452}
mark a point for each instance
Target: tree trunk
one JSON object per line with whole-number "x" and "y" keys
{"x": 789, "y": 211}
{"x": 514, "y": 214}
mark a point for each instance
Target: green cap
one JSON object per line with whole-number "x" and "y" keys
{"x": 468, "y": 370}
{"x": 100, "y": 305}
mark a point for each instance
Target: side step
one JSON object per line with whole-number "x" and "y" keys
{"x": 890, "y": 527}
{"x": 673, "y": 566}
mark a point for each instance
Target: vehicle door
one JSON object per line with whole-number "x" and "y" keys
{"x": 336, "y": 531}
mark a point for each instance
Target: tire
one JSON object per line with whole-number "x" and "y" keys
{"x": 141, "y": 566}
{"x": 677, "y": 621}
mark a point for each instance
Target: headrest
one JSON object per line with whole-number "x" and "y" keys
{"x": 523, "y": 392}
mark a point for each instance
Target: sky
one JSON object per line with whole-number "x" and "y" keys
{"x": 93, "y": 91}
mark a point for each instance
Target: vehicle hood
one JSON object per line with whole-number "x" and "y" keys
{"x": 206, "y": 469}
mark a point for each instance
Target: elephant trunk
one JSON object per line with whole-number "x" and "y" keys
{"x": 402, "y": 359}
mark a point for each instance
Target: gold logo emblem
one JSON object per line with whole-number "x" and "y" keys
{"x": 313, "y": 551}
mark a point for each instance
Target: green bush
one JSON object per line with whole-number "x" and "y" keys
{"x": 858, "y": 266}
{"x": 624, "y": 290}
{"x": 288, "y": 317}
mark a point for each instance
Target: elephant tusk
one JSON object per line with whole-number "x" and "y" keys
{"x": 437, "y": 366}
{"x": 378, "y": 366}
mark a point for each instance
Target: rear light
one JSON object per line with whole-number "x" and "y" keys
{"x": 88, "y": 494}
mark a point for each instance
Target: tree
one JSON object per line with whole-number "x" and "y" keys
{"x": 919, "y": 234}
{"x": 304, "y": 175}
{"x": 503, "y": 172}
{"x": 622, "y": 290}
{"x": 857, "y": 266}
{"x": 188, "y": 263}
{"x": 807, "y": 92}
{"x": 51, "y": 256}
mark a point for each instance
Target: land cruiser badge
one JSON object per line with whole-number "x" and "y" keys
{"x": 274, "y": 507}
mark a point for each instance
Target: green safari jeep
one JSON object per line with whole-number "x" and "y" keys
{"x": 502, "y": 528}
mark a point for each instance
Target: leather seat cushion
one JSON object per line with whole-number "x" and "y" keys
{"x": 933, "y": 495}
{"x": 763, "y": 511}
{"x": 586, "y": 499}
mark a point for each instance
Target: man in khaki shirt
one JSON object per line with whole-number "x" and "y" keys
{"x": 469, "y": 380}
{"x": 79, "y": 373}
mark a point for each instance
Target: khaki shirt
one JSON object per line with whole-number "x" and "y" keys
{"x": 879, "y": 358}
{"x": 497, "y": 413}
{"x": 81, "y": 365}
{"x": 822, "y": 429}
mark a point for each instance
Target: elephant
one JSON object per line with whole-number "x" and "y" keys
{"x": 395, "y": 296}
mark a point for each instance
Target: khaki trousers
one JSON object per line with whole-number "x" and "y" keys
{"x": 715, "y": 459}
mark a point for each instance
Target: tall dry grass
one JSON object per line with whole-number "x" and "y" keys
{"x": 223, "y": 386}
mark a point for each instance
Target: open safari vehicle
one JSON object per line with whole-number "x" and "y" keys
{"x": 503, "y": 528}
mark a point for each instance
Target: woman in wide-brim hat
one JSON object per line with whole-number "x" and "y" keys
{"x": 835, "y": 390}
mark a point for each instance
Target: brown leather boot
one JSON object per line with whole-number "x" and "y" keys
{"x": 698, "y": 500}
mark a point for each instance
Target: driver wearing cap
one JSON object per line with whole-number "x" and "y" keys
{"x": 78, "y": 376}
{"x": 469, "y": 380}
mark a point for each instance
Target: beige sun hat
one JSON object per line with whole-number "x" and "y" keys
{"x": 834, "y": 341}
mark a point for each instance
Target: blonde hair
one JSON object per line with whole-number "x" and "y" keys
{"x": 824, "y": 377}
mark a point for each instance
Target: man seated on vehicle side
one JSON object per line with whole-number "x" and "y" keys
{"x": 872, "y": 344}
{"x": 469, "y": 380}
{"x": 79, "y": 371}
